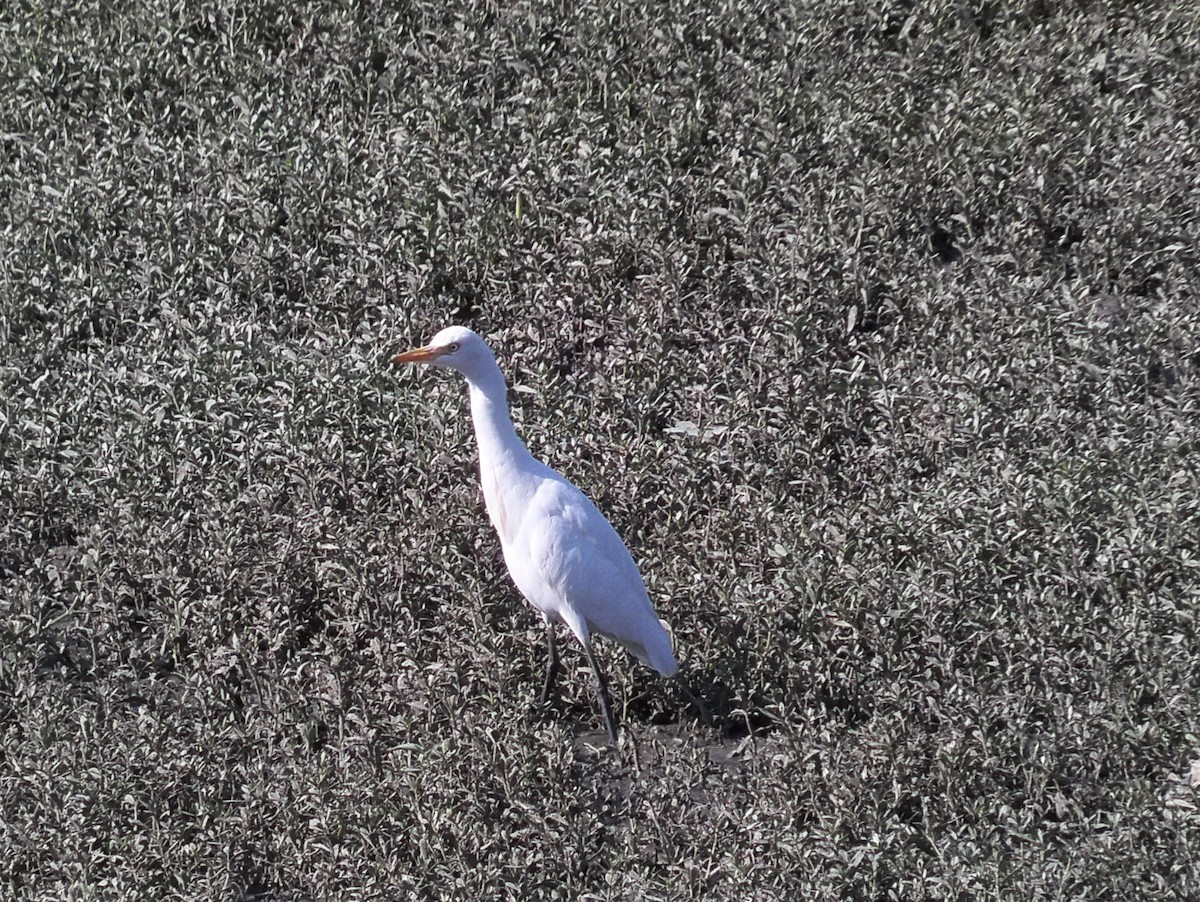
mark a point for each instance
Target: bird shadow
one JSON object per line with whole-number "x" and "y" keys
{"x": 722, "y": 712}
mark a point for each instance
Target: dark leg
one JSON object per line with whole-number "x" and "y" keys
{"x": 551, "y": 665}
{"x": 602, "y": 692}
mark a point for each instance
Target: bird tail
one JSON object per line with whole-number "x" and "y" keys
{"x": 655, "y": 651}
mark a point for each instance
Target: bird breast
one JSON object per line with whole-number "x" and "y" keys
{"x": 500, "y": 506}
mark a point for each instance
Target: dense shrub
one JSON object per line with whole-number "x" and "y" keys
{"x": 872, "y": 328}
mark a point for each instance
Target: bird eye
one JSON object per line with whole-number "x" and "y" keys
{"x": 452, "y": 347}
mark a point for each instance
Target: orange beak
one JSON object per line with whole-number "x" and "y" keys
{"x": 419, "y": 355}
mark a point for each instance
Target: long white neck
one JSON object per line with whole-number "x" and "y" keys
{"x": 498, "y": 440}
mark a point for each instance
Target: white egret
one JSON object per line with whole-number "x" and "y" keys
{"x": 562, "y": 553}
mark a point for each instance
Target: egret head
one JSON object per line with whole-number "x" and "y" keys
{"x": 455, "y": 348}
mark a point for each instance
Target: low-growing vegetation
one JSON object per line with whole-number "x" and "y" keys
{"x": 873, "y": 329}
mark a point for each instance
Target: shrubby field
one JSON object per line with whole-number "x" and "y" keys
{"x": 872, "y": 327}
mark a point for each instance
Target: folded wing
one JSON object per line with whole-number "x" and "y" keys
{"x": 583, "y": 561}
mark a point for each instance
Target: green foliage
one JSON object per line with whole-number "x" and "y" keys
{"x": 872, "y": 328}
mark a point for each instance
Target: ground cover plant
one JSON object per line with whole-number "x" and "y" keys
{"x": 872, "y": 327}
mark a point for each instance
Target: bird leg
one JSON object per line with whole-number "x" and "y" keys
{"x": 601, "y": 692}
{"x": 551, "y": 665}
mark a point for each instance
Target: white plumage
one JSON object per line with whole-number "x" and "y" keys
{"x": 562, "y": 553}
